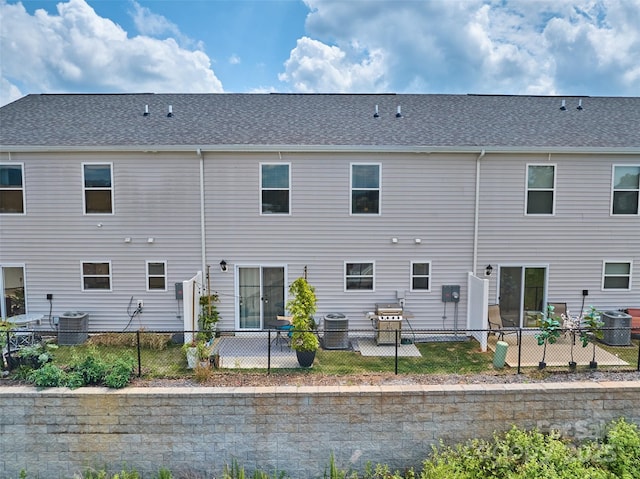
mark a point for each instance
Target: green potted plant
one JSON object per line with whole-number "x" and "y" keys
{"x": 209, "y": 315}
{"x": 301, "y": 307}
{"x": 202, "y": 353}
{"x": 590, "y": 331}
{"x": 549, "y": 332}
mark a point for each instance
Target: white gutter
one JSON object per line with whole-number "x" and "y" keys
{"x": 422, "y": 149}
{"x": 203, "y": 240}
{"x": 476, "y": 213}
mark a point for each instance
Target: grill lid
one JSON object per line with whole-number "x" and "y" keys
{"x": 388, "y": 309}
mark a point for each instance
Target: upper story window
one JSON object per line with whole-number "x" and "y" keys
{"x": 11, "y": 189}
{"x": 97, "y": 179}
{"x": 420, "y": 276}
{"x": 541, "y": 184}
{"x": 275, "y": 188}
{"x": 96, "y": 276}
{"x": 616, "y": 275}
{"x": 156, "y": 276}
{"x": 359, "y": 276}
{"x": 626, "y": 190}
{"x": 365, "y": 189}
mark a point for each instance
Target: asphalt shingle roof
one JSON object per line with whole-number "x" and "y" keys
{"x": 323, "y": 120}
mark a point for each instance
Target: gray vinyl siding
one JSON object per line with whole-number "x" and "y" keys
{"x": 155, "y": 195}
{"x": 574, "y": 242}
{"x": 423, "y": 196}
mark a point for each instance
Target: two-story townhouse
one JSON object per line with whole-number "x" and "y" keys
{"x": 107, "y": 200}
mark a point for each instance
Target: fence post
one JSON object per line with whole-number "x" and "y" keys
{"x": 269, "y": 351}
{"x": 519, "y": 349}
{"x": 638, "y": 369}
{"x": 8, "y": 348}
{"x": 139, "y": 356}
{"x": 397, "y": 331}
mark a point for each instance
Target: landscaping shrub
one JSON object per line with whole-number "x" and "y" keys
{"x": 119, "y": 373}
{"x": 621, "y": 448}
{"x": 522, "y": 454}
{"x": 48, "y": 376}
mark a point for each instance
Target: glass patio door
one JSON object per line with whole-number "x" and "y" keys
{"x": 12, "y": 283}
{"x": 260, "y": 296}
{"x": 522, "y": 294}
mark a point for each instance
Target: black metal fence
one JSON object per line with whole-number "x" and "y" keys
{"x": 342, "y": 351}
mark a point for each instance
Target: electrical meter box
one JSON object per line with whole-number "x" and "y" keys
{"x": 451, "y": 293}
{"x": 179, "y": 293}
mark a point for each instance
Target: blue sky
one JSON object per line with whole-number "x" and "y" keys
{"x": 548, "y": 47}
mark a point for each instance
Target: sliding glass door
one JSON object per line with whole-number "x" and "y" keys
{"x": 522, "y": 293}
{"x": 12, "y": 283}
{"x": 261, "y": 296}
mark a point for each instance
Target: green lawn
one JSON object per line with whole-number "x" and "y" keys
{"x": 437, "y": 358}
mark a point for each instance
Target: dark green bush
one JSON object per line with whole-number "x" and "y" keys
{"x": 92, "y": 368}
{"x": 48, "y": 376}
{"x": 119, "y": 373}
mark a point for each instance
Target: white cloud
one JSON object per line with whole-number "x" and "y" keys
{"x": 234, "y": 59}
{"x": 316, "y": 67}
{"x": 76, "y": 50}
{"x": 484, "y": 46}
{"x": 154, "y": 25}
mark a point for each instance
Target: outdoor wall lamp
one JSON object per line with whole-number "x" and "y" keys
{"x": 223, "y": 266}
{"x": 488, "y": 270}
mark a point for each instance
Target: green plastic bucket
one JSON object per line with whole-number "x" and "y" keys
{"x": 500, "y": 355}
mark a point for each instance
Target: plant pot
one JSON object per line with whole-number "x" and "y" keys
{"x": 192, "y": 358}
{"x": 593, "y": 365}
{"x": 542, "y": 365}
{"x": 572, "y": 365}
{"x": 305, "y": 358}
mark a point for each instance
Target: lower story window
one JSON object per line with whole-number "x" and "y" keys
{"x": 96, "y": 276}
{"x": 420, "y": 275}
{"x": 156, "y": 276}
{"x": 617, "y": 275}
{"x": 359, "y": 276}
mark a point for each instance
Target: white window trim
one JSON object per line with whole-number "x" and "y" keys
{"x": 352, "y": 189}
{"x": 156, "y": 290}
{"x": 613, "y": 179}
{"x": 82, "y": 288}
{"x": 411, "y": 276}
{"x": 112, "y": 189}
{"x": 553, "y": 190}
{"x": 630, "y": 276}
{"x": 22, "y": 188}
{"x": 261, "y": 189}
{"x": 373, "y": 277}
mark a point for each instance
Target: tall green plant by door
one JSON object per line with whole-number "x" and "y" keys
{"x": 209, "y": 316}
{"x": 302, "y": 307}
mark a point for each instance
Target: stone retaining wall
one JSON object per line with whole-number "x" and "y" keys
{"x": 58, "y": 432}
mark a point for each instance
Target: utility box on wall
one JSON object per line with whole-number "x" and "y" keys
{"x": 450, "y": 293}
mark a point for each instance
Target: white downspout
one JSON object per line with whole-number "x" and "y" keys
{"x": 203, "y": 236}
{"x": 476, "y": 213}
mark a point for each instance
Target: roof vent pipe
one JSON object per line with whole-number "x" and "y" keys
{"x": 146, "y": 110}
{"x": 564, "y": 105}
{"x": 579, "y": 104}
{"x": 399, "y": 113}
{"x": 170, "y": 114}
{"x": 376, "y": 114}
